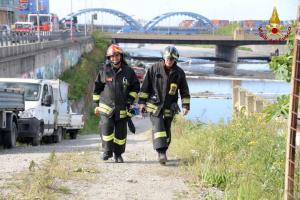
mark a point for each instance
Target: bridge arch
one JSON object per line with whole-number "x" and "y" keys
{"x": 134, "y": 25}
{"x": 206, "y": 22}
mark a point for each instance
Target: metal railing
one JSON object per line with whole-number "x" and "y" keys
{"x": 292, "y": 162}
{"x": 19, "y": 38}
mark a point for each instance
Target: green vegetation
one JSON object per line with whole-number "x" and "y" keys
{"x": 279, "y": 109}
{"x": 244, "y": 158}
{"x": 92, "y": 123}
{"x": 227, "y": 29}
{"x": 80, "y": 75}
{"x": 45, "y": 181}
{"x": 245, "y": 48}
{"x": 81, "y": 78}
{"x": 282, "y": 68}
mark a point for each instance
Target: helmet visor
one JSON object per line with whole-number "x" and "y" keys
{"x": 170, "y": 56}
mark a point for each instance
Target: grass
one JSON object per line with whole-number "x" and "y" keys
{"x": 227, "y": 29}
{"x": 244, "y": 158}
{"x": 81, "y": 76}
{"x": 92, "y": 124}
{"x": 46, "y": 180}
{"x": 245, "y": 48}
{"x": 84, "y": 72}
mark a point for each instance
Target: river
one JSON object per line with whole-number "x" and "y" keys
{"x": 210, "y": 82}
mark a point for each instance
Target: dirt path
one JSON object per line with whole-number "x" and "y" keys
{"x": 140, "y": 177}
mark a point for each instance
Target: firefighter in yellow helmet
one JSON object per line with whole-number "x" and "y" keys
{"x": 116, "y": 89}
{"x": 159, "y": 95}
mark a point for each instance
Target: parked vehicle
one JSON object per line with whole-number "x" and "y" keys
{"x": 11, "y": 103}
{"x": 23, "y": 26}
{"x": 47, "y": 113}
{"x": 140, "y": 72}
{"x": 47, "y": 22}
{"x": 4, "y": 29}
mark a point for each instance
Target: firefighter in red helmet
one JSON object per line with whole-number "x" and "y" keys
{"x": 116, "y": 89}
{"x": 163, "y": 82}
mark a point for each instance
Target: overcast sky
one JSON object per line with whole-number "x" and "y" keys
{"x": 212, "y": 9}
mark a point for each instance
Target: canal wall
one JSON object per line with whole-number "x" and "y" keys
{"x": 46, "y": 60}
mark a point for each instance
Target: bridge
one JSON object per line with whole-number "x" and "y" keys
{"x": 225, "y": 45}
{"x": 204, "y": 24}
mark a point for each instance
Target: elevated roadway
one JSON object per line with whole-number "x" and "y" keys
{"x": 225, "y": 45}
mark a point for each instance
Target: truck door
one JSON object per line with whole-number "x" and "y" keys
{"x": 47, "y": 110}
{"x": 52, "y": 110}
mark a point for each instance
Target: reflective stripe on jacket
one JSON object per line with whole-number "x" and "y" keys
{"x": 116, "y": 90}
{"x": 160, "y": 90}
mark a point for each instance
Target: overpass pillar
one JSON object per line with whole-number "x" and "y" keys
{"x": 228, "y": 53}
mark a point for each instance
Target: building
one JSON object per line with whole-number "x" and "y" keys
{"x": 8, "y": 11}
{"x": 219, "y": 22}
{"x": 30, "y": 7}
{"x": 186, "y": 23}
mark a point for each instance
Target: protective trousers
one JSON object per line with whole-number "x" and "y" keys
{"x": 113, "y": 134}
{"x": 161, "y": 132}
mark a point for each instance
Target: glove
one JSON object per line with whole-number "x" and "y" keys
{"x": 142, "y": 108}
{"x": 185, "y": 111}
{"x": 97, "y": 111}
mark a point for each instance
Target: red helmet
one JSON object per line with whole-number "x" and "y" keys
{"x": 113, "y": 49}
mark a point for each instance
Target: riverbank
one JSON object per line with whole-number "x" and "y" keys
{"x": 190, "y": 51}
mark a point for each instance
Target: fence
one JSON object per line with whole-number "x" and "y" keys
{"x": 18, "y": 38}
{"x": 245, "y": 100}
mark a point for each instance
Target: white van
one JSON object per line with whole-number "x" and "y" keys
{"x": 47, "y": 112}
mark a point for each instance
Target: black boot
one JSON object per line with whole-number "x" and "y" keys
{"x": 118, "y": 158}
{"x": 162, "y": 158}
{"x": 106, "y": 155}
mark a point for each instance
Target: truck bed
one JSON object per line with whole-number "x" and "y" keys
{"x": 11, "y": 100}
{"x": 70, "y": 121}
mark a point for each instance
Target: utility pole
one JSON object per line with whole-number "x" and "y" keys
{"x": 71, "y": 26}
{"x": 38, "y": 20}
{"x": 291, "y": 184}
{"x": 85, "y": 20}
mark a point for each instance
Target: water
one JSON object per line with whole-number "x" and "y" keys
{"x": 213, "y": 110}
{"x": 255, "y": 76}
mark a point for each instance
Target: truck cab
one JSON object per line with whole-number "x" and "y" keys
{"x": 45, "y": 102}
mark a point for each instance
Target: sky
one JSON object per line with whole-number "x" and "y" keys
{"x": 211, "y": 9}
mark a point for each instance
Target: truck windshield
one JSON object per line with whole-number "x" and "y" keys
{"x": 32, "y": 91}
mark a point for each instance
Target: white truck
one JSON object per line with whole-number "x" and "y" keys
{"x": 47, "y": 113}
{"x": 11, "y": 103}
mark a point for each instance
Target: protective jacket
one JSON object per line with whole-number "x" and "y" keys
{"x": 115, "y": 90}
{"x": 160, "y": 90}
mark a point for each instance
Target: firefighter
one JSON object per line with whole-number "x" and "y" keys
{"x": 116, "y": 89}
{"x": 159, "y": 95}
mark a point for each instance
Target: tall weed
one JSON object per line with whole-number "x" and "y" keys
{"x": 244, "y": 158}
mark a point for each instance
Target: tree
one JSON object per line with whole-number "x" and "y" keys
{"x": 282, "y": 67}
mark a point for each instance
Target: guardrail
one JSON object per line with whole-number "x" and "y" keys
{"x": 18, "y": 38}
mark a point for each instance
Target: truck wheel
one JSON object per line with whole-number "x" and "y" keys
{"x": 9, "y": 140}
{"x": 73, "y": 134}
{"x": 58, "y": 135}
{"x": 36, "y": 140}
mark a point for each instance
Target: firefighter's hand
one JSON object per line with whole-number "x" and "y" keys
{"x": 185, "y": 111}
{"x": 142, "y": 108}
{"x": 97, "y": 111}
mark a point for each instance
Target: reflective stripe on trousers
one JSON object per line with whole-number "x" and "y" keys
{"x": 113, "y": 134}
{"x": 161, "y": 131}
